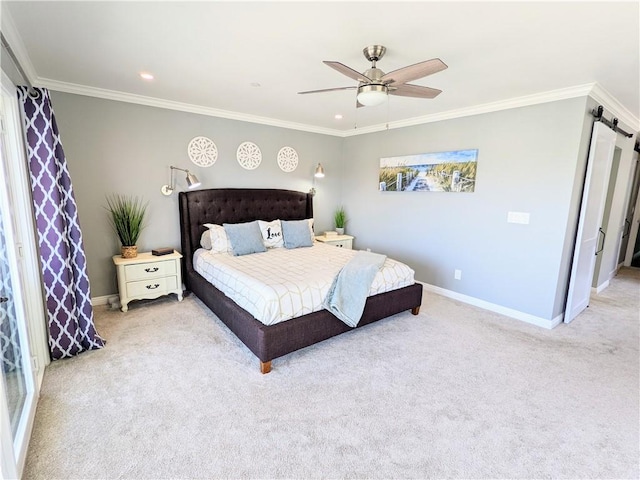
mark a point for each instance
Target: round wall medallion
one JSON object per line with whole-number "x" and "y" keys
{"x": 202, "y": 151}
{"x": 249, "y": 155}
{"x": 287, "y": 159}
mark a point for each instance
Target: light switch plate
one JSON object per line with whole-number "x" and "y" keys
{"x": 518, "y": 217}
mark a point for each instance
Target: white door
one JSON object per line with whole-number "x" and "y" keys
{"x": 17, "y": 381}
{"x": 23, "y": 335}
{"x": 603, "y": 142}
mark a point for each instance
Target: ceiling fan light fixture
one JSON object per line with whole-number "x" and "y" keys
{"x": 372, "y": 95}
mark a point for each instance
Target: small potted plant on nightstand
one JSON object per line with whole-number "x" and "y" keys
{"x": 340, "y": 219}
{"x": 126, "y": 218}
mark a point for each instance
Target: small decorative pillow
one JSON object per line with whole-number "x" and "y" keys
{"x": 205, "y": 240}
{"x": 215, "y": 239}
{"x": 271, "y": 233}
{"x": 297, "y": 233}
{"x": 245, "y": 238}
{"x": 311, "y": 227}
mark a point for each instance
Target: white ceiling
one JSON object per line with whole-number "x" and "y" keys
{"x": 208, "y": 54}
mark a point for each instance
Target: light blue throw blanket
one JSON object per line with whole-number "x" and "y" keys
{"x": 348, "y": 292}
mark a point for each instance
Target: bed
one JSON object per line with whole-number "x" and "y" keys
{"x": 268, "y": 342}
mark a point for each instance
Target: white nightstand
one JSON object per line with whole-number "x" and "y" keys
{"x": 344, "y": 241}
{"x": 148, "y": 276}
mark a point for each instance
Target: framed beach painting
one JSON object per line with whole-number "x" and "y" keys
{"x": 453, "y": 171}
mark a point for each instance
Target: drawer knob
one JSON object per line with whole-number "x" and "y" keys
{"x": 151, "y": 270}
{"x": 153, "y": 287}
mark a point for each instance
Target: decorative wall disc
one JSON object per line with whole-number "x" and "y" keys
{"x": 287, "y": 159}
{"x": 202, "y": 151}
{"x": 249, "y": 155}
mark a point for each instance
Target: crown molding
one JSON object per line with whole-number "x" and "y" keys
{"x": 610, "y": 103}
{"x": 77, "y": 89}
{"x": 593, "y": 90}
{"x": 527, "y": 100}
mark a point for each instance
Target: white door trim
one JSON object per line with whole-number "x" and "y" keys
{"x": 25, "y": 272}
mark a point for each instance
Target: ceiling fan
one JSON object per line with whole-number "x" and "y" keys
{"x": 374, "y": 85}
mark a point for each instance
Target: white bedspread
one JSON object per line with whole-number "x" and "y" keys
{"x": 281, "y": 284}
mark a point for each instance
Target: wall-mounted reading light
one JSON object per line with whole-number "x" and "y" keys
{"x": 192, "y": 181}
{"x": 319, "y": 173}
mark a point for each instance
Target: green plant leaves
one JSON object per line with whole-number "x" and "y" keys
{"x": 126, "y": 217}
{"x": 340, "y": 218}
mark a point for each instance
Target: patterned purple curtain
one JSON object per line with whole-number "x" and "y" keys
{"x": 64, "y": 271}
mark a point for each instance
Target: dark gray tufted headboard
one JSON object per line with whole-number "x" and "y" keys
{"x": 234, "y": 205}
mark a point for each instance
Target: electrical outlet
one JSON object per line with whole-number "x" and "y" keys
{"x": 457, "y": 274}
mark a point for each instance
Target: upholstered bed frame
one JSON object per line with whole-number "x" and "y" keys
{"x": 267, "y": 342}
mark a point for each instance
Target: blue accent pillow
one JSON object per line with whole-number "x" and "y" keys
{"x": 245, "y": 238}
{"x": 296, "y": 233}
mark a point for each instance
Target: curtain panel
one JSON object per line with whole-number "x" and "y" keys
{"x": 63, "y": 261}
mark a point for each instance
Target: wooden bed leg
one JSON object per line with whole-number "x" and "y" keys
{"x": 265, "y": 367}
{"x": 415, "y": 310}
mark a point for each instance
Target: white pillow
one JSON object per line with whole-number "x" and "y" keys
{"x": 215, "y": 239}
{"x": 205, "y": 239}
{"x": 271, "y": 233}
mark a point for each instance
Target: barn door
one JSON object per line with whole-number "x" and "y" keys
{"x": 590, "y": 235}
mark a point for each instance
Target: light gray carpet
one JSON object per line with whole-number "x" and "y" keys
{"x": 456, "y": 392}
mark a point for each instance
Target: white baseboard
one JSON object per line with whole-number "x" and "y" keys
{"x": 600, "y": 287}
{"x": 103, "y": 300}
{"x": 509, "y": 312}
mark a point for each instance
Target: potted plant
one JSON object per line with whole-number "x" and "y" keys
{"x": 340, "y": 220}
{"x": 126, "y": 217}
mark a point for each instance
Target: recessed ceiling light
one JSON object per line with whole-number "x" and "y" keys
{"x": 255, "y": 84}
{"x": 146, "y": 76}
{"x": 338, "y": 117}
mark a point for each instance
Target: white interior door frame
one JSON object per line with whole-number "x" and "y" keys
{"x": 603, "y": 142}
{"x": 19, "y": 192}
{"x": 634, "y": 227}
{"x": 23, "y": 253}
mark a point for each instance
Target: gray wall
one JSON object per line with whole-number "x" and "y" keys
{"x": 574, "y": 208}
{"x": 116, "y": 147}
{"x": 531, "y": 159}
{"x": 527, "y": 162}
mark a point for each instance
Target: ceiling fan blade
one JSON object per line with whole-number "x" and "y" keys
{"x": 415, "y": 91}
{"x": 327, "y": 90}
{"x": 413, "y": 72}
{"x": 348, "y": 71}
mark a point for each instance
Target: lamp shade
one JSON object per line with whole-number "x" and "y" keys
{"x": 319, "y": 171}
{"x": 192, "y": 180}
{"x": 372, "y": 95}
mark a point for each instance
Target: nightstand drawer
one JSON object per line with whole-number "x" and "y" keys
{"x": 157, "y": 286}
{"x": 341, "y": 241}
{"x": 343, "y": 244}
{"x": 149, "y": 270}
